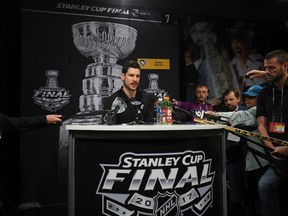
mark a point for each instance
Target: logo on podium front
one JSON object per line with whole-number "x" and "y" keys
{"x": 165, "y": 184}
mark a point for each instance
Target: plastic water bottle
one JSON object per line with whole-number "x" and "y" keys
{"x": 158, "y": 111}
{"x": 167, "y": 110}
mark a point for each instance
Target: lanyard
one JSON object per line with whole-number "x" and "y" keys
{"x": 273, "y": 105}
{"x": 200, "y": 107}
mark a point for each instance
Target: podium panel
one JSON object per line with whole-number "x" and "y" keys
{"x": 147, "y": 170}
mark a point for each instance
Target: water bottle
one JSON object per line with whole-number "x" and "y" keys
{"x": 158, "y": 111}
{"x": 167, "y": 110}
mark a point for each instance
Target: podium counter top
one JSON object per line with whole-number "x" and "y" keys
{"x": 142, "y": 127}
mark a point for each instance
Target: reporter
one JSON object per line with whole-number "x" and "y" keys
{"x": 200, "y": 101}
{"x": 10, "y": 125}
{"x": 255, "y": 163}
{"x": 20, "y": 124}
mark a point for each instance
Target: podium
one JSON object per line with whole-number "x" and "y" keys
{"x": 146, "y": 170}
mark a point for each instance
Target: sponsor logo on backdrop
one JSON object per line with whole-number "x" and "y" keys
{"x": 51, "y": 97}
{"x": 166, "y": 184}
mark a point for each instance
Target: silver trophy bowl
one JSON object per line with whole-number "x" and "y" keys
{"x": 104, "y": 39}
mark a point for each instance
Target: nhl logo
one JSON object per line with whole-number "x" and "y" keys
{"x": 166, "y": 204}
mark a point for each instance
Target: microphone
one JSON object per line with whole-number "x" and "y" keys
{"x": 201, "y": 114}
{"x": 93, "y": 113}
{"x": 118, "y": 106}
{"x": 116, "y": 109}
{"x": 183, "y": 110}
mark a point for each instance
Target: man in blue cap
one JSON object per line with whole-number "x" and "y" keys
{"x": 254, "y": 164}
{"x": 250, "y": 96}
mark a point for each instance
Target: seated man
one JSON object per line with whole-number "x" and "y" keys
{"x": 140, "y": 104}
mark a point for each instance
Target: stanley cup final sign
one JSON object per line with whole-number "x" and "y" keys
{"x": 187, "y": 187}
{"x": 155, "y": 173}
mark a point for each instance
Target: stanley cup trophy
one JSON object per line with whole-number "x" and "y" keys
{"x": 105, "y": 43}
{"x": 153, "y": 87}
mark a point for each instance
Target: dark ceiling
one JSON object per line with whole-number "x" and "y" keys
{"x": 243, "y": 9}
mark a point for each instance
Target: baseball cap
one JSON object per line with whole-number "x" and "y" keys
{"x": 253, "y": 91}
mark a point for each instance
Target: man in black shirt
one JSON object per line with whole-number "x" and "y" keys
{"x": 140, "y": 105}
{"x": 272, "y": 118}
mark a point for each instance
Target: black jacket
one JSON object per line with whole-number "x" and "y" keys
{"x": 139, "y": 109}
{"x": 13, "y": 124}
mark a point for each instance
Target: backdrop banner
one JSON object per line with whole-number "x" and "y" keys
{"x": 72, "y": 56}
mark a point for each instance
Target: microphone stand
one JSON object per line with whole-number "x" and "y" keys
{"x": 110, "y": 115}
{"x": 183, "y": 110}
{"x": 97, "y": 112}
{"x": 201, "y": 114}
{"x": 107, "y": 113}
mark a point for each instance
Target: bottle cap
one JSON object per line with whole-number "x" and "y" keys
{"x": 166, "y": 97}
